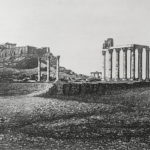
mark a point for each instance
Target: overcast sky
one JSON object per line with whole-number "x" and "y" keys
{"x": 75, "y": 29}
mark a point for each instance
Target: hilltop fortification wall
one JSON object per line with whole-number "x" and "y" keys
{"x": 21, "y": 51}
{"x": 24, "y": 56}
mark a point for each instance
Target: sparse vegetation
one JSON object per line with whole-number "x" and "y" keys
{"x": 111, "y": 122}
{"x": 19, "y": 66}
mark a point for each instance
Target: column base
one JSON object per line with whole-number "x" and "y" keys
{"x": 132, "y": 79}
{"x": 109, "y": 80}
{"x": 124, "y": 79}
{"x": 117, "y": 79}
{"x": 140, "y": 79}
{"x": 103, "y": 79}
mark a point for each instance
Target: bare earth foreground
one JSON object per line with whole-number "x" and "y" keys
{"x": 111, "y": 122}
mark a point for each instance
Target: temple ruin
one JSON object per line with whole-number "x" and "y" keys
{"x": 130, "y": 60}
{"x": 96, "y": 74}
{"x": 47, "y": 56}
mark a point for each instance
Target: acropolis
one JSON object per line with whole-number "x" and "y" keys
{"x": 11, "y": 50}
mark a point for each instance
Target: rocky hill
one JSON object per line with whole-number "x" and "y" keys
{"x": 27, "y": 64}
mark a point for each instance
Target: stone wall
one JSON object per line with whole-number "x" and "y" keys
{"x": 20, "y": 51}
{"x": 71, "y": 89}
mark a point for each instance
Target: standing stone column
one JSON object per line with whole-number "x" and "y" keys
{"x": 110, "y": 64}
{"x": 132, "y": 64}
{"x": 48, "y": 50}
{"x": 98, "y": 75}
{"x": 140, "y": 51}
{"x": 104, "y": 64}
{"x": 91, "y": 73}
{"x": 117, "y": 75}
{"x": 57, "y": 68}
{"x": 125, "y": 63}
{"x": 48, "y": 68}
{"x": 147, "y": 63}
{"x": 39, "y": 69}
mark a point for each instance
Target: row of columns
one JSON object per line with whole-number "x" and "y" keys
{"x": 132, "y": 63}
{"x": 96, "y": 74}
{"x": 48, "y": 68}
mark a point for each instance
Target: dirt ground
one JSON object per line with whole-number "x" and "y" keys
{"x": 111, "y": 122}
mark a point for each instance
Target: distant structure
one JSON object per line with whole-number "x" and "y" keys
{"x": 109, "y": 49}
{"x": 11, "y": 50}
{"x": 96, "y": 74}
{"x": 108, "y": 43}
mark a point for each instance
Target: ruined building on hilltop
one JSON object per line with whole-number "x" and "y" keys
{"x": 10, "y": 50}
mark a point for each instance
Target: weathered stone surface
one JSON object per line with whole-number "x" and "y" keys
{"x": 76, "y": 89}
{"x": 23, "y": 57}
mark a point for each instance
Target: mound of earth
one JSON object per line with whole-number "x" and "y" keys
{"x": 28, "y": 65}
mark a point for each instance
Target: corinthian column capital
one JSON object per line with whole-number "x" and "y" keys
{"x": 117, "y": 50}
{"x": 140, "y": 50}
{"x": 103, "y": 52}
{"x": 124, "y": 49}
{"x": 110, "y": 51}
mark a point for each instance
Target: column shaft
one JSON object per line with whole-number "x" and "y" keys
{"x": 39, "y": 69}
{"x": 117, "y": 64}
{"x": 57, "y": 68}
{"x": 110, "y": 64}
{"x": 147, "y": 63}
{"x": 48, "y": 68}
{"x": 132, "y": 64}
{"x": 140, "y": 63}
{"x": 125, "y": 63}
{"x": 104, "y": 64}
{"x": 93, "y": 74}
